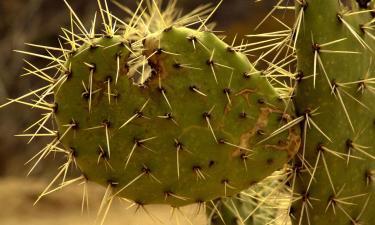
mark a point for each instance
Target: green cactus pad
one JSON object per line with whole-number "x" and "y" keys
{"x": 184, "y": 127}
{"x": 335, "y": 51}
{"x": 266, "y": 202}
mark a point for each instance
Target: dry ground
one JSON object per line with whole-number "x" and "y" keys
{"x": 64, "y": 207}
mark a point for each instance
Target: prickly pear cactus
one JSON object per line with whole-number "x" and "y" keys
{"x": 175, "y": 117}
{"x": 186, "y": 134}
{"x": 266, "y": 202}
{"x": 335, "y": 95}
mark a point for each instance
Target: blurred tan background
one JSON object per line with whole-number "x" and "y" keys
{"x": 39, "y": 22}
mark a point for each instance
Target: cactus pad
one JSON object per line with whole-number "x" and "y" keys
{"x": 184, "y": 130}
{"x": 334, "y": 175}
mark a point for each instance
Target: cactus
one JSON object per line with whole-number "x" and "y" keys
{"x": 266, "y": 202}
{"x": 174, "y": 116}
{"x": 164, "y": 114}
{"x": 332, "y": 179}
{"x": 335, "y": 48}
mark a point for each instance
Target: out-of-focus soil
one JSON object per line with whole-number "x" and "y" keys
{"x": 64, "y": 207}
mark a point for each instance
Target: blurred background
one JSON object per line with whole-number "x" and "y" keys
{"x": 39, "y": 22}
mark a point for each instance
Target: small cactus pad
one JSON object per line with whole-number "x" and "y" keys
{"x": 184, "y": 127}
{"x": 334, "y": 181}
{"x": 266, "y": 202}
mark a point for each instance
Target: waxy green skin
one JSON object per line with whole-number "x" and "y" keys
{"x": 171, "y": 120}
{"x": 351, "y": 179}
